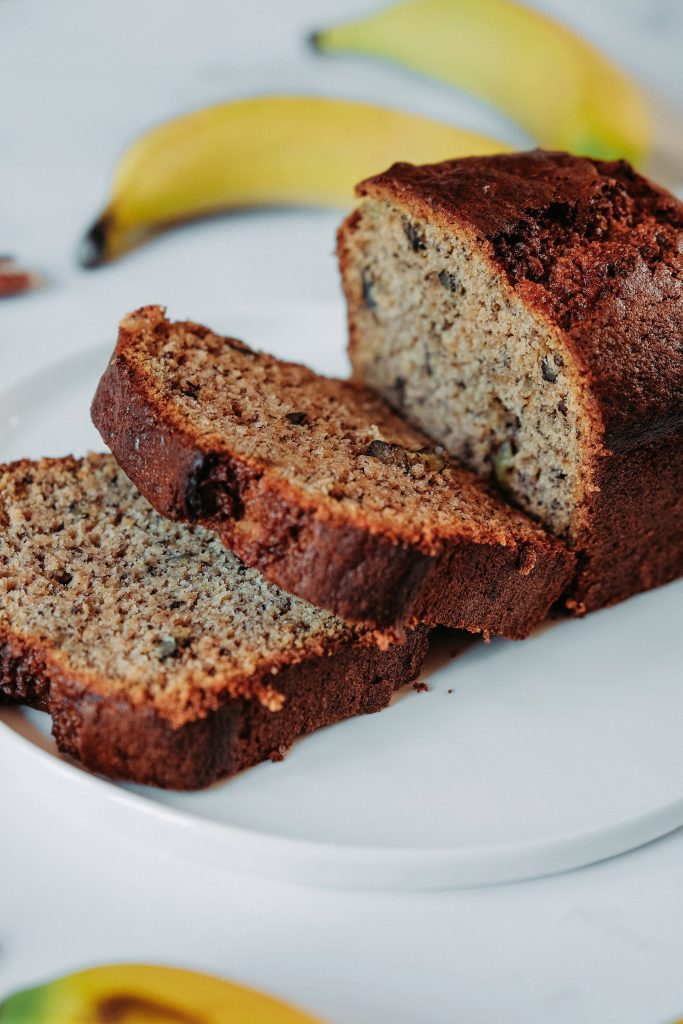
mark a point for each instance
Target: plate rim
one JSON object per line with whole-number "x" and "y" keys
{"x": 340, "y": 865}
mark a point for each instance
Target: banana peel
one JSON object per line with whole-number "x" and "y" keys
{"x": 562, "y": 91}
{"x": 145, "y": 994}
{"x": 269, "y": 150}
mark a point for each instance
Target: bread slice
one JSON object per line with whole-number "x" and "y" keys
{"x": 319, "y": 485}
{"x": 161, "y": 658}
{"x": 526, "y": 310}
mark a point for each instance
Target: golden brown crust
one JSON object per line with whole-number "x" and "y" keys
{"x": 499, "y": 584}
{"x": 631, "y": 539}
{"x": 137, "y": 743}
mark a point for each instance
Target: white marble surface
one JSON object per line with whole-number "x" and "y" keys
{"x": 78, "y": 79}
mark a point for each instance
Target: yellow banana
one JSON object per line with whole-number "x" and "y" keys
{"x": 270, "y": 150}
{"x": 144, "y": 994}
{"x": 561, "y": 90}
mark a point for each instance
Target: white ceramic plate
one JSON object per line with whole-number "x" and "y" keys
{"x": 522, "y": 758}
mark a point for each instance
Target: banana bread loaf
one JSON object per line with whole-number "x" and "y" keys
{"x": 161, "y": 658}
{"x": 526, "y": 311}
{"x": 319, "y": 485}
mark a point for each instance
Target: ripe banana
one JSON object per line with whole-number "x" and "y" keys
{"x": 137, "y": 993}
{"x": 270, "y": 150}
{"x": 561, "y": 90}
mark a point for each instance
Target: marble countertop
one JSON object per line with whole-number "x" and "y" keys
{"x": 80, "y": 78}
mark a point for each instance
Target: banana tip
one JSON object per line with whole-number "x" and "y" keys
{"x": 314, "y": 40}
{"x": 92, "y": 249}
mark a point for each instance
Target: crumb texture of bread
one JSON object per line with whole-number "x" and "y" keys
{"x": 443, "y": 342}
{"x": 318, "y": 483}
{"x": 525, "y": 311}
{"x": 160, "y": 656}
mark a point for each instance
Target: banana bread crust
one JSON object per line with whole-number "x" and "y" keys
{"x": 596, "y": 252}
{"x": 135, "y": 742}
{"x": 339, "y": 564}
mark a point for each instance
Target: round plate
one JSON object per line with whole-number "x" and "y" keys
{"x": 520, "y": 759}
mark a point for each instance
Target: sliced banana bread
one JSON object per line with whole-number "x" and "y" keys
{"x": 319, "y": 485}
{"x": 161, "y": 658}
{"x": 526, "y": 311}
